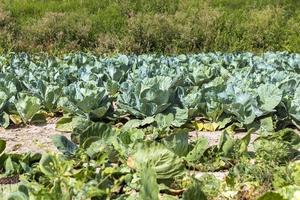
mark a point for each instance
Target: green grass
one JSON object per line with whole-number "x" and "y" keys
{"x": 140, "y": 26}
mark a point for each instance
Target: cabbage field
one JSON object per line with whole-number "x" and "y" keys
{"x": 136, "y": 122}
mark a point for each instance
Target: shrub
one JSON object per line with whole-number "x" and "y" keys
{"x": 141, "y": 26}
{"x": 59, "y": 30}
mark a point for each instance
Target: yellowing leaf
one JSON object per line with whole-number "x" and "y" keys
{"x": 130, "y": 162}
{"x": 49, "y": 114}
{"x": 199, "y": 126}
{"x": 210, "y": 126}
{"x": 16, "y": 119}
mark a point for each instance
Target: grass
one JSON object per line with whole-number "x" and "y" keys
{"x": 143, "y": 26}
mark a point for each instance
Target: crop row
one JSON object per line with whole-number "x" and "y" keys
{"x": 226, "y": 89}
{"x": 130, "y": 119}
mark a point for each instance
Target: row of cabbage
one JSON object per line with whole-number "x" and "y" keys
{"x": 120, "y": 110}
{"x": 111, "y": 163}
{"x": 240, "y": 88}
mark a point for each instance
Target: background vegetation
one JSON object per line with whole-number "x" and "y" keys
{"x": 140, "y": 26}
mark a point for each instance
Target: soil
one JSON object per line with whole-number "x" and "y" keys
{"x": 31, "y": 138}
{"x": 9, "y": 180}
{"x": 214, "y": 137}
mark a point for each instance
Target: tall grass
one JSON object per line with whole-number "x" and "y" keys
{"x": 139, "y": 26}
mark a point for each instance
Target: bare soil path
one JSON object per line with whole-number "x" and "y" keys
{"x": 34, "y": 138}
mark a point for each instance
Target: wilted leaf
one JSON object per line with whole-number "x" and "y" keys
{"x": 199, "y": 126}
{"x": 16, "y": 119}
{"x": 197, "y": 152}
{"x": 207, "y": 126}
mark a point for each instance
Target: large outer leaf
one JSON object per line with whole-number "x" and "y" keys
{"x": 269, "y": 96}
{"x": 165, "y": 163}
{"x": 178, "y": 142}
{"x": 53, "y": 166}
{"x": 191, "y": 100}
{"x": 7, "y": 89}
{"x": 17, "y": 196}
{"x": 180, "y": 116}
{"x": 49, "y": 165}
{"x": 143, "y": 98}
{"x": 243, "y": 108}
{"x": 68, "y": 123}
{"x": 27, "y": 106}
{"x": 96, "y": 132}
{"x": 86, "y": 100}
{"x": 135, "y": 123}
{"x": 198, "y": 150}
{"x": 51, "y": 97}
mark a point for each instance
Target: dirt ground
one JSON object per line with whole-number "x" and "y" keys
{"x": 34, "y": 138}
{"x": 214, "y": 137}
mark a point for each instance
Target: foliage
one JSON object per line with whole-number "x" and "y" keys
{"x": 169, "y": 26}
{"x": 130, "y": 119}
{"x": 260, "y": 92}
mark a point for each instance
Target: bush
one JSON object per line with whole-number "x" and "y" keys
{"x": 57, "y": 30}
{"x": 7, "y": 30}
{"x": 141, "y": 26}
